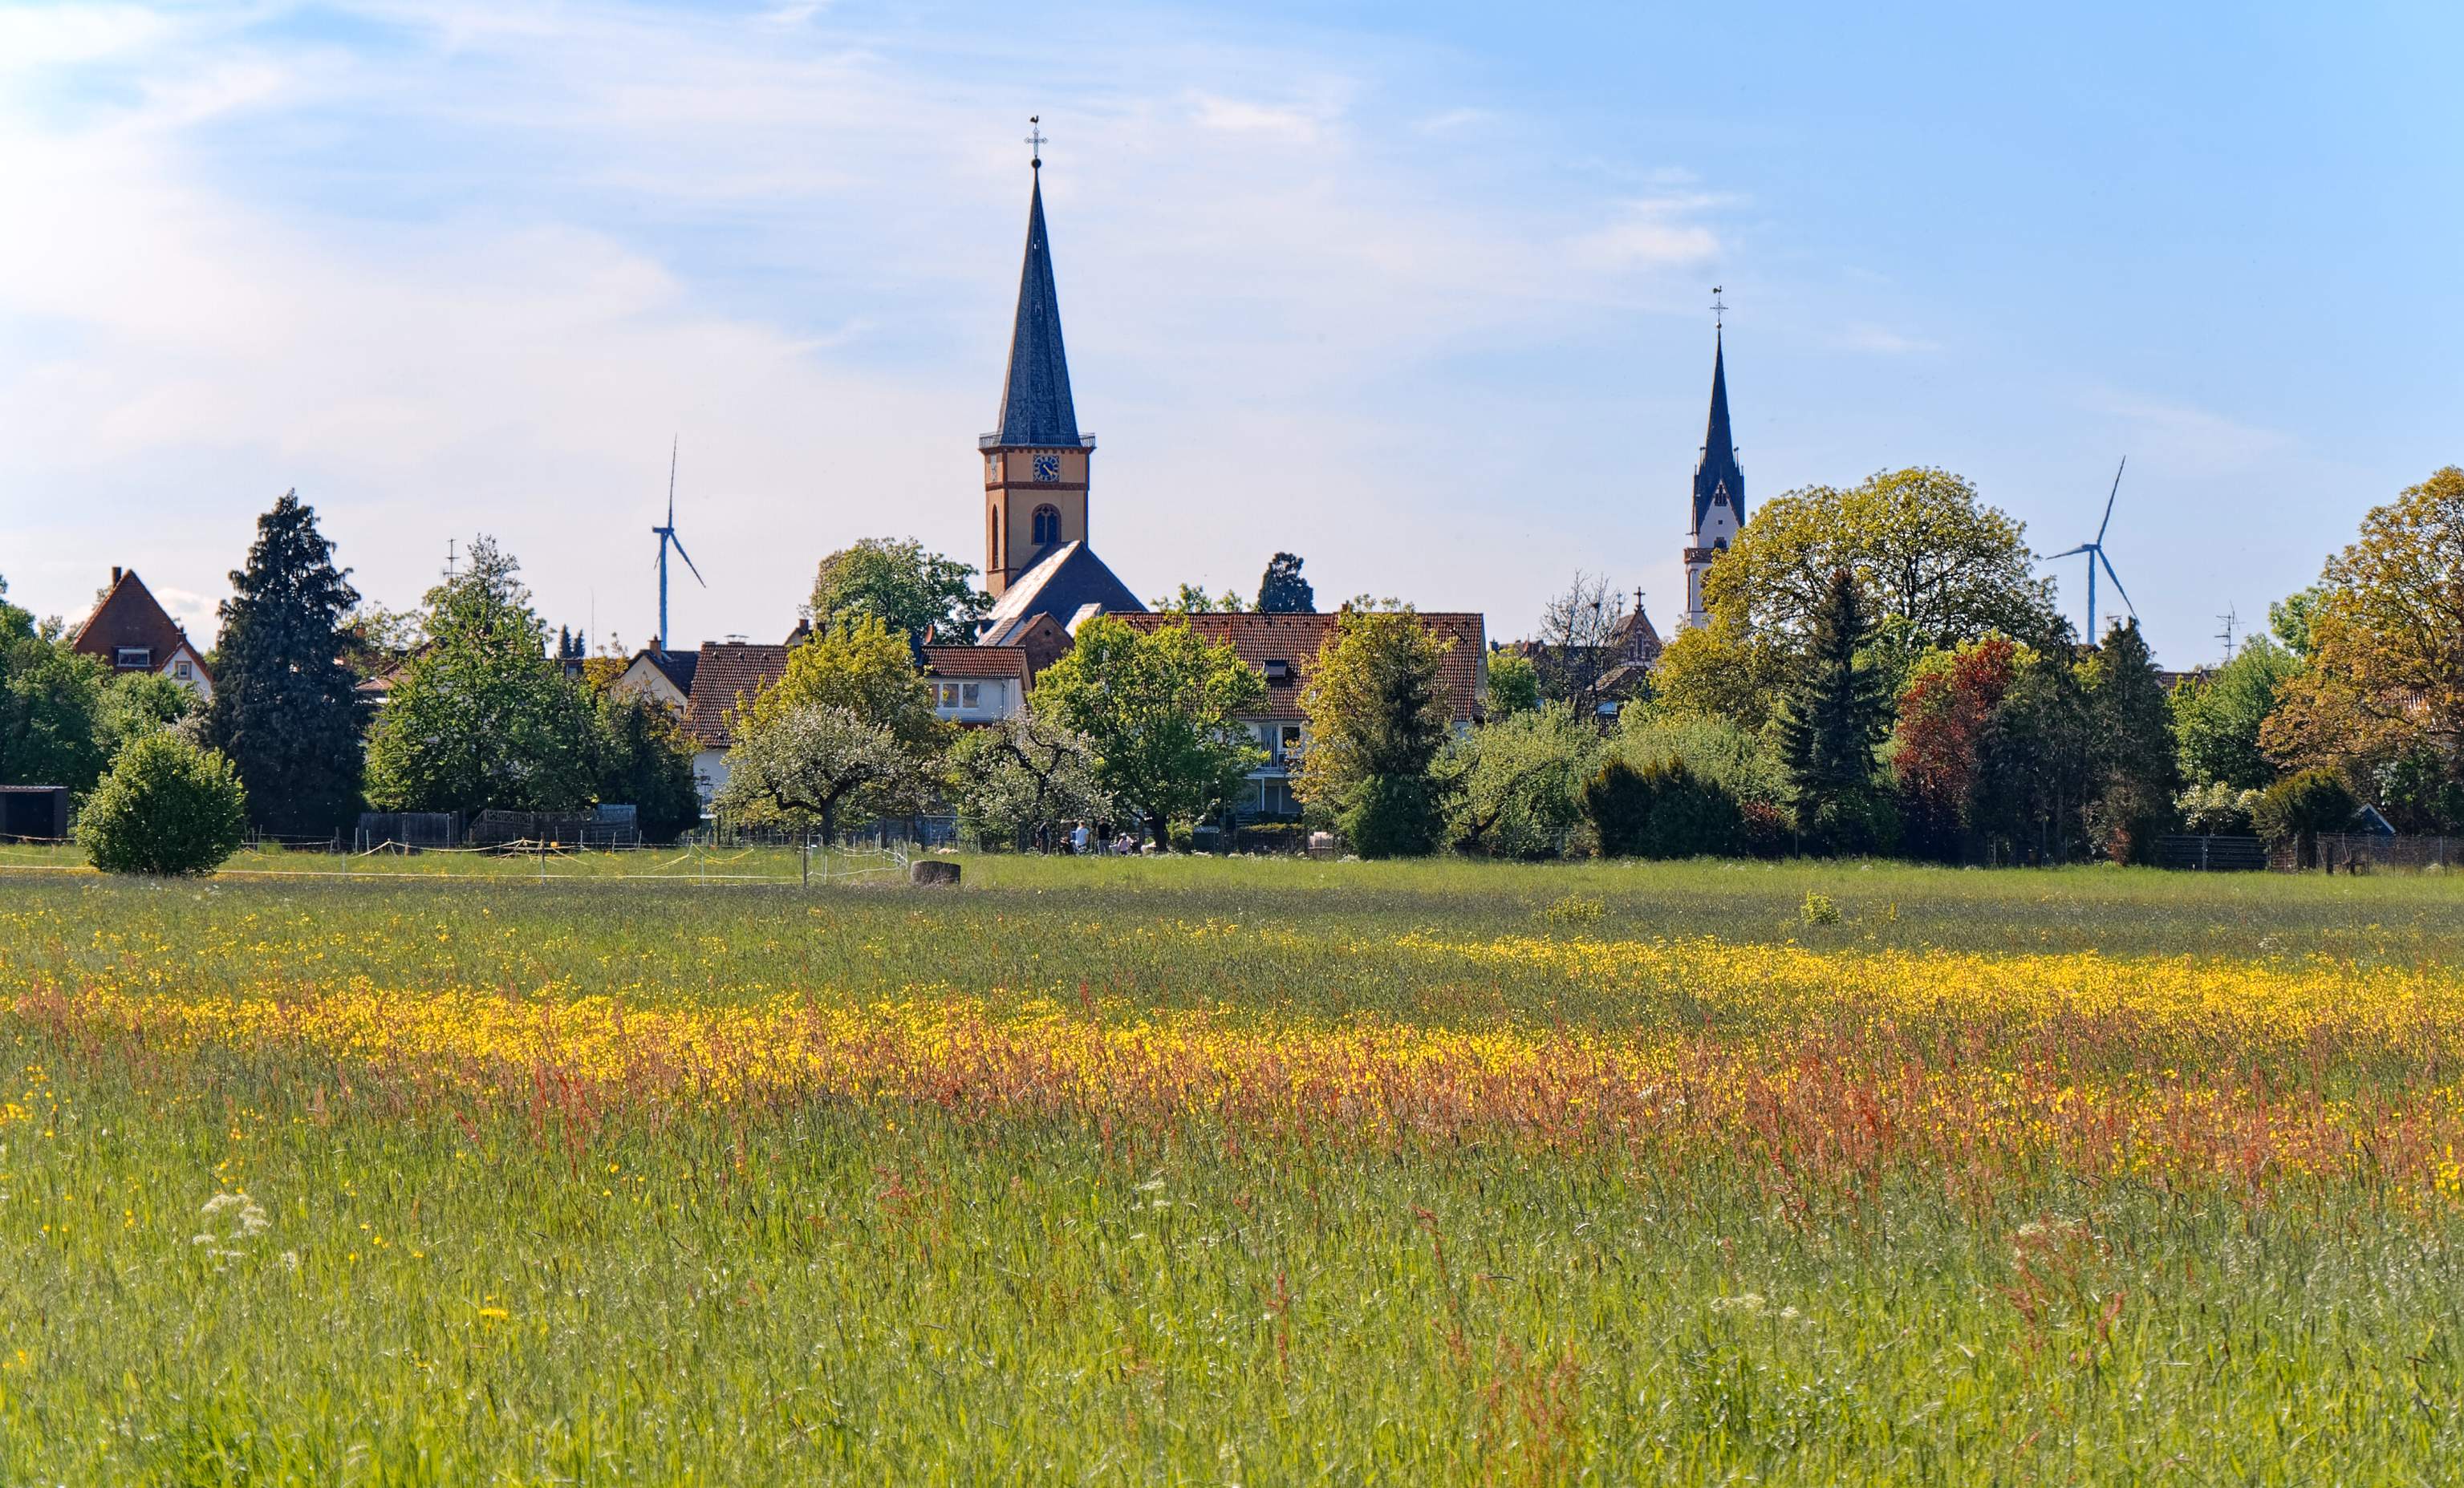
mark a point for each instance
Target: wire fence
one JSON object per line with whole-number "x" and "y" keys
{"x": 803, "y": 863}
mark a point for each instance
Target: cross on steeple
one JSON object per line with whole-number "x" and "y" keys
{"x": 1718, "y": 311}
{"x": 1035, "y": 139}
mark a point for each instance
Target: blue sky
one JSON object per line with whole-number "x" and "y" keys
{"x": 1415, "y": 291}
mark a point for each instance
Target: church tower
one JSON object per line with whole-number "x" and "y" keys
{"x": 1719, "y": 490}
{"x": 1035, "y": 463}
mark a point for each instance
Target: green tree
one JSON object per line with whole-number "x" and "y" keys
{"x": 2035, "y": 774}
{"x": 895, "y": 581}
{"x": 2300, "y": 806}
{"x": 2217, "y": 719}
{"x": 2136, "y": 769}
{"x": 483, "y": 717}
{"x": 2385, "y": 645}
{"x": 1377, "y": 718}
{"x": 1740, "y": 761}
{"x": 1194, "y": 599}
{"x": 866, "y": 665}
{"x": 805, "y": 765}
{"x": 1164, "y": 710}
{"x": 1722, "y": 671}
{"x": 283, "y": 707}
{"x": 1018, "y": 782}
{"x": 1514, "y": 787}
{"x": 168, "y": 807}
{"x": 51, "y": 707}
{"x": 1662, "y": 810}
{"x": 1283, "y": 591}
{"x": 1513, "y": 683}
{"x": 645, "y": 758}
{"x": 2288, "y": 619}
{"x": 138, "y": 704}
{"x": 1831, "y": 717}
{"x": 1937, "y": 566}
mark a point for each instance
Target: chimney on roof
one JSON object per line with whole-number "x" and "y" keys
{"x": 114, "y": 572}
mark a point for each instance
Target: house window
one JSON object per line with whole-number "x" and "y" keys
{"x": 179, "y": 670}
{"x": 134, "y": 658}
{"x": 957, "y": 694}
{"x": 1278, "y": 671}
{"x": 1288, "y": 741}
{"x": 1047, "y": 525}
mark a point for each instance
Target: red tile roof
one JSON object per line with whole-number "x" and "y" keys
{"x": 727, "y": 670}
{"x": 129, "y": 615}
{"x": 1007, "y": 662}
{"x": 1295, "y": 639}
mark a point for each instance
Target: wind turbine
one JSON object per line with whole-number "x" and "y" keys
{"x": 2094, "y": 551}
{"x": 667, "y": 537}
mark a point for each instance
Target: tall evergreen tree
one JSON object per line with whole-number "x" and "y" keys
{"x": 283, "y": 707}
{"x": 1282, "y": 590}
{"x": 1831, "y": 720}
{"x": 2136, "y": 773}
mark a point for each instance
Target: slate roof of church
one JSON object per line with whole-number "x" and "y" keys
{"x": 1062, "y": 582}
{"x": 1718, "y": 465}
{"x": 1036, "y": 409}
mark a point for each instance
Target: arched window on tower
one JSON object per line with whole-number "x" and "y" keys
{"x": 1047, "y": 525}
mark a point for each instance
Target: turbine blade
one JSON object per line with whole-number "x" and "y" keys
{"x": 688, "y": 558}
{"x": 2108, "y": 500}
{"x": 2047, "y": 558}
{"x": 2117, "y": 582}
{"x": 671, "y": 480}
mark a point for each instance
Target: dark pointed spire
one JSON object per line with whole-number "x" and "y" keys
{"x": 1035, "y": 398}
{"x": 1718, "y": 467}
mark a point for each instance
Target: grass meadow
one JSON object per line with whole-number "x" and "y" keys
{"x": 1233, "y": 1172}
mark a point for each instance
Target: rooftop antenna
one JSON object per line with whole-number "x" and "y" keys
{"x": 667, "y": 537}
{"x": 449, "y": 560}
{"x": 2232, "y": 618}
{"x": 2094, "y": 551}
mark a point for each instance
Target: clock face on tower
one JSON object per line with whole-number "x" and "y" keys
{"x": 1047, "y": 467}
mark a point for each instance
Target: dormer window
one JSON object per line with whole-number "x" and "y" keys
{"x": 134, "y": 658}
{"x": 1278, "y": 671}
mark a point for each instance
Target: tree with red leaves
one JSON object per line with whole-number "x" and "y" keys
{"x": 1937, "y": 745}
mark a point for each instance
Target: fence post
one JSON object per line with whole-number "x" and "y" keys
{"x": 809, "y": 861}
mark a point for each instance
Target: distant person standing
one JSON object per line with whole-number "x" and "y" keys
{"x": 1078, "y": 837}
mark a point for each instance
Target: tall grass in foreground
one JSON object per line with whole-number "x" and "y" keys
{"x": 1103, "y": 1173}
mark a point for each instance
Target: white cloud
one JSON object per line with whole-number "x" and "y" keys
{"x": 2192, "y": 440}
{"x": 1652, "y": 232}
{"x": 593, "y": 228}
{"x": 1864, "y": 336}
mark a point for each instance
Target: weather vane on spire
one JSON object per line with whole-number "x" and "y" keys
{"x": 1035, "y": 138}
{"x": 1718, "y": 311}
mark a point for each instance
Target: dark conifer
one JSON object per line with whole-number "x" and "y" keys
{"x": 1283, "y": 591}
{"x": 2135, "y": 759}
{"x": 1831, "y": 721}
{"x": 283, "y": 707}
